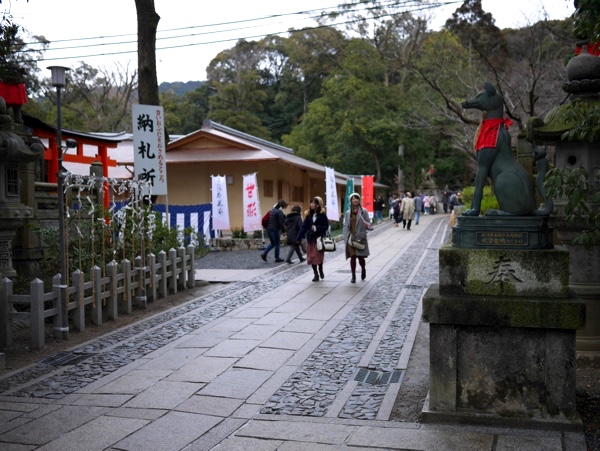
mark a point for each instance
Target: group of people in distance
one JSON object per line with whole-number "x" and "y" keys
{"x": 314, "y": 226}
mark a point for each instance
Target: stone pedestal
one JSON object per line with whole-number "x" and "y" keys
{"x": 502, "y": 331}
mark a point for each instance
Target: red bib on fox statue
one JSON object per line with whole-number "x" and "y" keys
{"x": 487, "y": 133}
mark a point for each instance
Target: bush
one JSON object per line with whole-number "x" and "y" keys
{"x": 335, "y": 225}
{"x": 488, "y": 202}
{"x": 238, "y": 232}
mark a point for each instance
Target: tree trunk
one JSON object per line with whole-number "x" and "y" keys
{"x": 147, "y": 24}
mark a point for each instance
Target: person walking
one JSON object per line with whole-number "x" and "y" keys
{"x": 293, "y": 223}
{"x": 274, "y": 228}
{"x": 315, "y": 225}
{"x": 356, "y": 223}
{"x": 432, "y": 204}
{"x": 408, "y": 211}
{"x": 452, "y": 201}
{"x": 398, "y": 210}
{"x": 418, "y": 205}
{"x": 379, "y": 204}
{"x": 426, "y": 204}
{"x": 445, "y": 201}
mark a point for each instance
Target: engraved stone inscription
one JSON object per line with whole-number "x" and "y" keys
{"x": 503, "y": 272}
{"x": 502, "y": 238}
{"x": 5, "y": 255}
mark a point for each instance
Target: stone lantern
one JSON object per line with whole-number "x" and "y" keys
{"x": 583, "y": 85}
{"x": 13, "y": 152}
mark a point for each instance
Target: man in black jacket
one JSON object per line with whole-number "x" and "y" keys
{"x": 274, "y": 229}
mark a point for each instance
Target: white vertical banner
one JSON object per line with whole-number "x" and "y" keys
{"x": 251, "y": 204}
{"x": 333, "y": 207}
{"x": 149, "y": 150}
{"x": 220, "y": 207}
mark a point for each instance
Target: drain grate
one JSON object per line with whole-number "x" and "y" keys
{"x": 378, "y": 377}
{"x": 65, "y": 358}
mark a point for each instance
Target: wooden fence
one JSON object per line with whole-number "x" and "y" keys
{"x": 103, "y": 296}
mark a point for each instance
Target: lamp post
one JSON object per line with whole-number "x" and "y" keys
{"x": 58, "y": 81}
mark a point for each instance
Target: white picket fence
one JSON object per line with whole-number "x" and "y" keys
{"x": 106, "y": 293}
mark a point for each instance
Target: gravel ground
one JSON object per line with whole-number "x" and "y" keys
{"x": 243, "y": 259}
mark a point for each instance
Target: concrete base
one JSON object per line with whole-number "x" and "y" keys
{"x": 489, "y": 420}
{"x": 500, "y": 358}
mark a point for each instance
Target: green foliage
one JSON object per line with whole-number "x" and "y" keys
{"x": 336, "y": 225}
{"x": 488, "y": 202}
{"x": 238, "y": 232}
{"x": 584, "y": 116}
{"x": 18, "y": 61}
{"x": 582, "y": 208}
{"x": 587, "y": 20}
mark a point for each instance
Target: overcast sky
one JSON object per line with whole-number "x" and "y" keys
{"x": 191, "y": 33}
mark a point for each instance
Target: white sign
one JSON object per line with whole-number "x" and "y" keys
{"x": 251, "y": 204}
{"x": 220, "y": 207}
{"x": 149, "y": 150}
{"x": 333, "y": 209}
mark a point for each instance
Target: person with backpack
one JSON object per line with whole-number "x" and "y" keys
{"x": 293, "y": 223}
{"x": 275, "y": 226}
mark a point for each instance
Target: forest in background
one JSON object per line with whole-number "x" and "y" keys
{"x": 348, "y": 99}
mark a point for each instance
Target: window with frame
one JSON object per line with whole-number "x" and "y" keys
{"x": 12, "y": 182}
{"x": 297, "y": 193}
{"x": 268, "y": 188}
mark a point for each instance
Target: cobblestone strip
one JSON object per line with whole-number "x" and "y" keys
{"x": 366, "y": 399}
{"x": 315, "y": 384}
{"x": 118, "y": 349}
{"x": 123, "y": 347}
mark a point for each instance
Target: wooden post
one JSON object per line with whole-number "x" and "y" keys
{"x": 140, "y": 292}
{"x": 128, "y": 295}
{"x": 173, "y": 265}
{"x": 112, "y": 304}
{"x": 152, "y": 277}
{"x": 163, "y": 289}
{"x": 56, "y": 319}
{"x": 191, "y": 278}
{"x": 79, "y": 313}
{"x": 181, "y": 272}
{"x": 36, "y": 305}
{"x": 96, "y": 275}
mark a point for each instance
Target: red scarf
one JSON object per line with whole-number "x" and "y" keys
{"x": 487, "y": 133}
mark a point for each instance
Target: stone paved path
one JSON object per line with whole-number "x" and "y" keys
{"x": 275, "y": 362}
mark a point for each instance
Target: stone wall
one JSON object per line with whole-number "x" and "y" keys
{"x": 237, "y": 244}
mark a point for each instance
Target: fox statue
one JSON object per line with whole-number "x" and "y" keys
{"x": 495, "y": 160}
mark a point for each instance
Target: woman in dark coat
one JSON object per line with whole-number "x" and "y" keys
{"x": 315, "y": 225}
{"x": 356, "y": 224}
{"x": 293, "y": 224}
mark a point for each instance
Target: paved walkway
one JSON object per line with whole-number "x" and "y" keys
{"x": 273, "y": 361}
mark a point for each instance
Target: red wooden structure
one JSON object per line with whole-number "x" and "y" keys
{"x": 44, "y": 131}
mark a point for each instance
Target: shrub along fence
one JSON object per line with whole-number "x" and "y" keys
{"x": 101, "y": 297}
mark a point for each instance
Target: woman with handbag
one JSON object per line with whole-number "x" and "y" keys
{"x": 356, "y": 223}
{"x": 314, "y": 227}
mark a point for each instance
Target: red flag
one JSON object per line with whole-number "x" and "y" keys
{"x": 367, "y": 194}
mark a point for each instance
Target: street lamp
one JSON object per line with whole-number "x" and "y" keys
{"x": 58, "y": 81}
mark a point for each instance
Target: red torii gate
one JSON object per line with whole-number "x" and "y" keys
{"x": 44, "y": 131}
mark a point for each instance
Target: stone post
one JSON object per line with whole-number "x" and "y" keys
{"x": 502, "y": 328}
